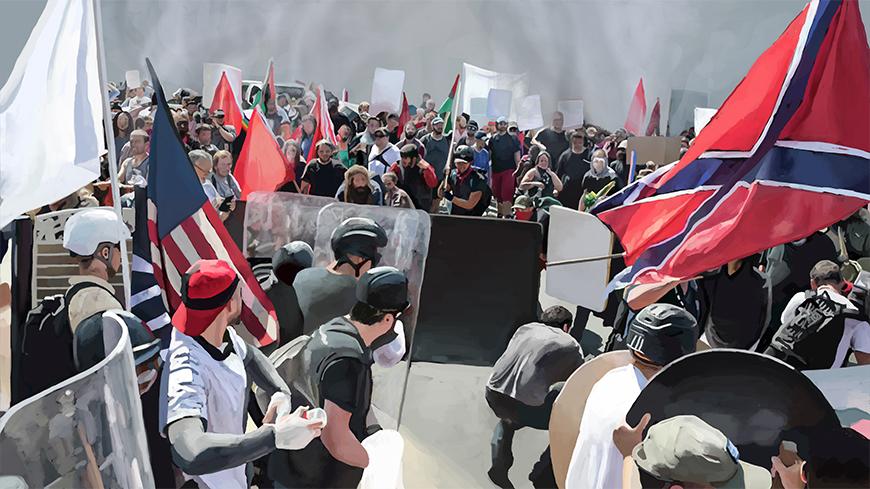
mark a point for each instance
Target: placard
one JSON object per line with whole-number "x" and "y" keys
{"x": 529, "y": 114}
{"x": 133, "y": 79}
{"x": 387, "y": 87}
{"x": 702, "y": 118}
{"x": 498, "y": 103}
{"x": 572, "y": 110}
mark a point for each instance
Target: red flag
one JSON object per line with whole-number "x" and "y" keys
{"x": 345, "y": 96}
{"x": 261, "y": 165}
{"x": 654, "y": 119}
{"x": 637, "y": 111}
{"x": 324, "y": 129}
{"x": 405, "y": 115}
{"x": 225, "y": 100}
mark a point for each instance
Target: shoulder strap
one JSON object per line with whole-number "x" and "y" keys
{"x": 75, "y": 289}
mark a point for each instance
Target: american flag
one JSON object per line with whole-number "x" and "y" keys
{"x": 787, "y": 154}
{"x": 182, "y": 227}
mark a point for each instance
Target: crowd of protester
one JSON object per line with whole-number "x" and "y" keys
{"x": 763, "y": 303}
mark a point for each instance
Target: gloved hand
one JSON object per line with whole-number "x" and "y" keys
{"x": 293, "y": 432}
{"x": 279, "y": 406}
{"x": 448, "y": 195}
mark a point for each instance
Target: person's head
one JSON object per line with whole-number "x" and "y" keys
{"x": 591, "y": 133}
{"x": 543, "y": 160}
{"x": 621, "y": 149}
{"x": 182, "y": 123}
{"x": 223, "y": 163}
{"x": 139, "y": 142}
{"x": 291, "y": 151}
{"x": 501, "y": 125}
{"x": 271, "y": 106}
{"x": 283, "y": 100}
{"x": 463, "y": 156}
{"x": 148, "y": 124}
{"x": 291, "y": 259}
{"x": 651, "y": 165}
{"x": 438, "y": 125}
{"x": 461, "y": 123}
{"x": 357, "y": 189}
{"x": 93, "y": 238}
{"x": 325, "y": 150}
{"x": 480, "y": 139}
{"x": 426, "y": 98}
{"x": 372, "y": 125}
{"x": 343, "y": 133}
{"x": 219, "y": 117}
{"x": 686, "y": 452}
{"x": 392, "y": 122}
{"x": 660, "y": 334}
{"x": 382, "y": 296}
{"x": 309, "y": 123}
{"x": 390, "y": 181}
{"x": 513, "y": 128}
{"x": 202, "y": 163}
{"x": 332, "y": 106}
{"x": 827, "y": 273}
{"x": 122, "y": 123}
{"x": 430, "y": 105}
{"x": 599, "y": 160}
{"x": 578, "y": 140}
{"x": 191, "y": 106}
{"x": 286, "y": 130}
{"x": 355, "y": 244}
{"x": 410, "y": 130}
{"x": 473, "y": 127}
{"x": 558, "y": 317}
{"x": 558, "y": 120}
{"x": 363, "y": 107}
{"x": 210, "y": 295}
{"x": 203, "y": 134}
{"x": 410, "y": 155}
{"x": 138, "y": 92}
{"x": 382, "y": 138}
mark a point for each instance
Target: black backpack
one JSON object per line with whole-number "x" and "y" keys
{"x": 485, "y": 199}
{"x": 47, "y": 343}
{"x": 810, "y": 339}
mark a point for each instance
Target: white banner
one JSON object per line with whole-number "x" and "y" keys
{"x": 573, "y": 112}
{"x": 387, "y": 87}
{"x": 702, "y": 118}
{"x": 477, "y": 82}
{"x": 211, "y": 76}
{"x": 133, "y": 79}
{"x": 529, "y": 114}
{"x": 498, "y": 103}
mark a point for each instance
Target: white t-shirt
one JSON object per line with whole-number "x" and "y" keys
{"x": 391, "y": 154}
{"x": 856, "y": 333}
{"x": 596, "y": 462}
{"x": 196, "y": 385}
{"x": 210, "y": 192}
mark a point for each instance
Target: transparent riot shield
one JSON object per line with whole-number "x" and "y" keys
{"x": 273, "y": 219}
{"x": 407, "y": 248}
{"x": 84, "y": 432}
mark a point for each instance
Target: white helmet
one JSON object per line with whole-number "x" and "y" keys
{"x": 85, "y": 230}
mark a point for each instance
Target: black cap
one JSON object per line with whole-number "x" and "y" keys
{"x": 464, "y": 153}
{"x": 384, "y": 289}
{"x": 291, "y": 259}
{"x": 89, "y": 349}
{"x": 662, "y": 333}
{"x": 380, "y": 133}
{"x": 358, "y": 236}
{"x": 409, "y": 151}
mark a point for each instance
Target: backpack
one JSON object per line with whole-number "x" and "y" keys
{"x": 47, "y": 343}
{"x": 485, "y": 199}
{"x": 810, "y": 339}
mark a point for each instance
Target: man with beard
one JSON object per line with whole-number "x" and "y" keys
{"x": 504, "y": 151}
{"x": 358, "y": 188}
{"x": 416, "y": 177}
{"x": 360, "y": 145}
{"x": 324, "y": 175}
{"x": 466, "y": 186}
{"x": 204, "y": 387}
{"x": 573, "y": 165}
{"x": 411, "y": 138}
{"x": 554, "y": 138}
{"x": 437, "y": 149}
{"x": 137, "y": 163}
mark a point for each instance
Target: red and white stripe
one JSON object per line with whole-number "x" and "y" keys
{"x": 324, "y": 122}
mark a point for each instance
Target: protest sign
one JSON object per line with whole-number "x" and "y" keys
{"x": 498, "y": 103}
{"x": 211, "y": 76}
{"x": 477, "y": 82}
{"x": 529, "y": 113}
{"x": 702, "y": 118}
{"x": 387, "y": 87}
{"x": 573, "y": 235}
{"x": 478, "y": 110}
{"x": 572, "y": 110}
{"x": 658, "y": 149}
{"x": 133, "y": 79}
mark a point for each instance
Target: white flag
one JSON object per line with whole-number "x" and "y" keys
{"x": 55, "y": 89}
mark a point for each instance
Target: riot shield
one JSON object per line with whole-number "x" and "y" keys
{"x": 273, "y": 219}
{"x": 84, "y": 432}
{"x": 407, "y": 248}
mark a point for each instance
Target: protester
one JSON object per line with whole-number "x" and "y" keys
{"x": 309, "y": 125}
{"x": 821, "y": 326}
{"x": 205, "y": 386}
{"x": 481, "y": 156}
{"x": 343, "y": 136}
{"x": 416, "y": 177}
{"x": 525, "y": 382}
{"x": 286, "y": 265}
{"x": 410, "y": 137}
{"x": 203, "y": 165}
{"x": 274, "y": 116}
{"x": 437, "y": 150}
{"x": 204, "y": 139}
{"x": 223, "y": 180}
{"x": 335, "y": 372}
{"x": 358, "y": 188}
{"x": 122, "y": 125}
{"x": 360, "y": 146}
{"x": 460, "y": 130}
{"x": 135, "y": 98}
{"x": 134, "y": 170}
{"x": 465, "y": 188}
{"x": 553, "y": 138}
{"x": 323, "y": 175}
{"x": 542, "y": 177}
{"x": 504, "y": 150}
{"x": 738, "y": 295}
{"x": 572, "y": 167}
{"x": 338, "y": 119}
{"x": 223, "y": 134}
{"x": 394, "y": 196}
{"x": 296, "y": 166}
{"x": 599, "y": 175}
{"x": 619, "y": 165}
{"x": 383, "y": 155}
{"x": 658, "y": 335}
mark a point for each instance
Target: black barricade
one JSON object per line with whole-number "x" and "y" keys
{"x": 481, "y": 283}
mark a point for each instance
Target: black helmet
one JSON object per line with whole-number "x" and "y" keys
{"x": 291, "y": 259}
{"x": 384, "y": 289}
{"x": 359, "y": 236}
{"x": 464, "y": 153}
{"x": 662, "y": 333}
{"x": 89, "y": 349}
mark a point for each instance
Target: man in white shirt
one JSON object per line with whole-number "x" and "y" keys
{"x": 205, "y": 386}
{"x": 658, "y": 335}
{"x": 820, "y": 326}
{"x": 383, "y": 154}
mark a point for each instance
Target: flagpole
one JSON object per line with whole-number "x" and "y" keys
{"x": 110, "y": 142}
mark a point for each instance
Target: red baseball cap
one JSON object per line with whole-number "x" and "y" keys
{"x": 206, "y": 289}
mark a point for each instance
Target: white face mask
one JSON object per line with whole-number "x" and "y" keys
{"x": 146, "y": 379}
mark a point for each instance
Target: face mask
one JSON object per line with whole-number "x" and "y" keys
{"x": 146, "y": 379}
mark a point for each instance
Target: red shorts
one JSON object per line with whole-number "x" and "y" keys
{"x": 503, "y": 186}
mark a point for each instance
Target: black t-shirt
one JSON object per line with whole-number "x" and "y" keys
{"x": 344, "y": 384}
{"x": 593, "y": 183}
{"x": 738, "y": 307}
{"x": 323, "y": 296}
{"x": 556, "y": 142}
{"x": 502, "y": 148}
{"x": 324, "y": 178}
{"x": 437, "y": 151}
{"x": 463, "y": 188}
{"x": 571, "y": 169}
